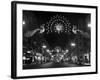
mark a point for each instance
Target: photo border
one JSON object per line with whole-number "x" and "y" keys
{"x": 14, "y": 38}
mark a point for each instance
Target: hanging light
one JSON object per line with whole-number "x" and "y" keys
{"x": 73, "y": 44}
{"x": 28, "y": 51}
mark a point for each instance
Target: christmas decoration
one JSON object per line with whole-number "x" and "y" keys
{"x": 58, "y": 24}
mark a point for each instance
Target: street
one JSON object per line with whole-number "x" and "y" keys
{"x": 51, "y": 65}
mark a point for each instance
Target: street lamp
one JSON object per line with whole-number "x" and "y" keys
{"x": 44, "y": 46}
{"x": 73, "y": 44}
{"x": 28, "y": 51}
{"x": 67, "y": 50}
{"x": 89, "y": 25}
{"x": 23, "y": 22}
{"x": 48, "y": 50}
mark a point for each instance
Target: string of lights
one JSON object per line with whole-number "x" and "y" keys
{"x": 58, "y": 24}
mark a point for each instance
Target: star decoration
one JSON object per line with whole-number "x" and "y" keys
{"x": 58, "y": 28}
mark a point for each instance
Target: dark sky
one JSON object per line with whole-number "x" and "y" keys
{"x": 34, "y": 19}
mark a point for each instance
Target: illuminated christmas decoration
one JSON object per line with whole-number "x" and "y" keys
{"x": 57, "y": 49}
{"x": 42, "y": 28}
{"x": 58, "y": 24}
{"x": 58, "y": 27}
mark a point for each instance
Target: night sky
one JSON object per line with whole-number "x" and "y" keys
{"x": 34, "y": 19}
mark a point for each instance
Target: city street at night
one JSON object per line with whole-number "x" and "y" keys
{"x": 59, "y": 40}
